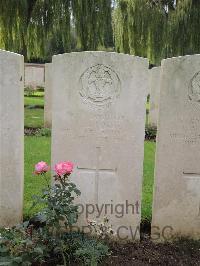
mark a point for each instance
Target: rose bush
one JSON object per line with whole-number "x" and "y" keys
{"x": 47, "y": 236}
{"x": 41, "y": 168}
{"x": 63, "y": 168}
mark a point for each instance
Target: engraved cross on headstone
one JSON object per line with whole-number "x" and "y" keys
{"x": 193, "y": 175}
{"x": 97, "y": 170}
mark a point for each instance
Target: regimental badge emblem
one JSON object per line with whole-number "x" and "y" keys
{"x": 194, "y": 88}
{"x": 100, "y": 86}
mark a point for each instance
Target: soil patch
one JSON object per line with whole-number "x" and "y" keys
{"x": 146, "y": 252}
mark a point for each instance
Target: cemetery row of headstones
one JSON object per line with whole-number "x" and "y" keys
{"x": 98, "y": 122}
{"x": 39, "y": 75}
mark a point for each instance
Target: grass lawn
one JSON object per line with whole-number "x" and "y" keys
{"x": 33, "y": 117}
{"x": 38, "y": 149}
{"x": 34, "y": 101}
{"x": 38, "y": 93}
{"x": 148, "y": 174}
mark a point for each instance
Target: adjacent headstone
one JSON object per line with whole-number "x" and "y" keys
{"x": 176, "y": 210}
{"x": 11, "y": 138}
{"x": 154, "y": 83}
{"x": 34, "y": 75}
{"x": 48, "y": 96}
{"x": 98, "y": 123}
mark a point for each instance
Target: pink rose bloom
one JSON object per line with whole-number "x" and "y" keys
{"x": 41, "y": 167}
{"x": 63, "y": 168}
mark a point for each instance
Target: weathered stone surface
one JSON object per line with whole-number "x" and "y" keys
{"x": 34, "y": 75}
{"x": 154, "y": 83}
{"x": 98, "y": 123}
{"x": 177, "y": 173}
{"x": 48, "y": 96}
{"x": 11, "y": 138}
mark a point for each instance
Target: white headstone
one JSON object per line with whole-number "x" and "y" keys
{"x": 98, "y": 123}
{"x": 176, "y": 210}
{"x": 34, "y": 75}
{"x": 154, "y": 82}
{"x": 11, "y": 138}
{"x": 48, "y": 96}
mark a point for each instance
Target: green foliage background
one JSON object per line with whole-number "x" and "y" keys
{"x": 39, "y": 29}
{"x": 155, "y": 29}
